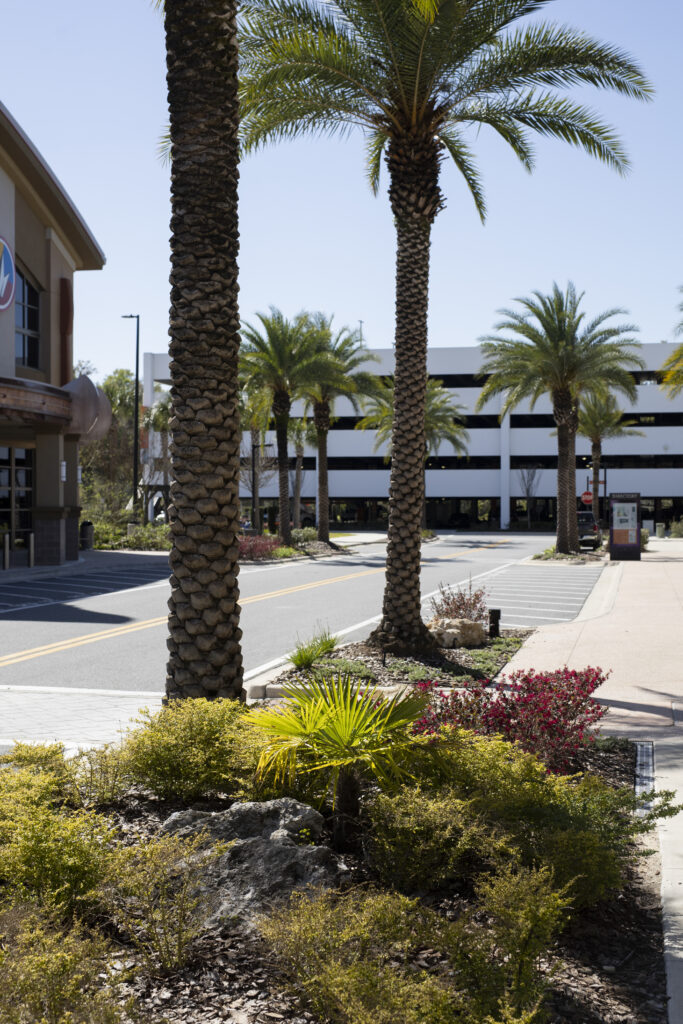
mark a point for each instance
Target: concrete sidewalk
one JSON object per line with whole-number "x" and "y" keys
{"x": 632, "y": 624}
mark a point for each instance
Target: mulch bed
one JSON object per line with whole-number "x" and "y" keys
{"x": 607, "y": 967}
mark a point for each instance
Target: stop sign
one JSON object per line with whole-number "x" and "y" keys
{"x": 587, "y": 497}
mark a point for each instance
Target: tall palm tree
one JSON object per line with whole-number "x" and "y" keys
{"x": 347, "y": 354}
{"x": 415, "y": 77}
{"x": 205, "y": 657}
{"x": 443, "y": 421}
{"x": 553, "y": 352}
{"x": 672, "y": 370}
{"x": 283, "y": 358}
{"x": 255, "y": 417}
{"x": 599, "y": 419}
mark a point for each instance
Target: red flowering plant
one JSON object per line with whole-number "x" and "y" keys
{"x": 550, "y": 714}
{"x": 257, "y": 547}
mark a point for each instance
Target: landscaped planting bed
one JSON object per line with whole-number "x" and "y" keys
{"x": 455, "y": 879}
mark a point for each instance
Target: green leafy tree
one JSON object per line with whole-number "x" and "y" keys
{"x": 600, "y": 418}
{"x": 416, "y": 78}
{"x": 348, "y": 380}
{"x": 443, "y": 421}
{"x": 283, "y": 358}
{"x": 552, "y": 351}
{"x": 205, "y": 657}
{"x": 107, "y": 465}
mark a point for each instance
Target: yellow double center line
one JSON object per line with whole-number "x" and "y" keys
{"x": 133, "y": 627}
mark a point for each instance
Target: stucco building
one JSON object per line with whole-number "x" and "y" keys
{"x": 44, "y": 414}
{"x": 487, "y": 488}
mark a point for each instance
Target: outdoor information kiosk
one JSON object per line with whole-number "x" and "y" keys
{"x": 624, "y": 527}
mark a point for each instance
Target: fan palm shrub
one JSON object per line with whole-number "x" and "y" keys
{"x": 672, "y": 370}
{"x": 550, "y": 350}
{"x": 338, "y": 727}
{"x": 417, "y": 78}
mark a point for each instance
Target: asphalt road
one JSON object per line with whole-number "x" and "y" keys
{"x": 107, "y": 629}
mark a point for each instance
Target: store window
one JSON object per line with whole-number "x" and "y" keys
{"x": 16, "y": 495}
{"x": 26, "y": 323}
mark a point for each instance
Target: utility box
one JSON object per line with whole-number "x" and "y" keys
{"x": 624, "y": 527}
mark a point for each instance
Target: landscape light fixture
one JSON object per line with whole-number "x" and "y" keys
{"x": 136, "y": 413}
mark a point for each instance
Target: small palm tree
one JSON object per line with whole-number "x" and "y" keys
{"x": 443, "y": 421}
{"x": 600, "y": 418}
{"x": 283, "y": 359}
{"x": 416, "y": 78}
{"x": 553, "y": 352}
{"x": 347, "y": 380}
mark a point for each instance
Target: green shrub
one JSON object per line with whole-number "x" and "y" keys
{"x": 55, "y": 856}
{"x": 644, "y": 539}
{"x": 421, "y": 840}
{"x": 53, "y": 976}
{"x": 24, "y": 790}
{"x": 284, "y": 551}
{"x": 305, "y": 655}
{"x": 41, "y": 759}
{"x": 100, "y": 775}
{"x": 152, "y": 537}
{"x": 304, "y": 536}
{"x": 194, "y": 748}
{"x": 107, "y": 535}
{"x": 410, "y": 670}
{"x": 579, "y": 827}
{"x": 358, "y": 957}
{"x": 676, "y": 528}
{"x": 153, "y": 893}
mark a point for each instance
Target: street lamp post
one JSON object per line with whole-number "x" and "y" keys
{"x": 136, "y": 412}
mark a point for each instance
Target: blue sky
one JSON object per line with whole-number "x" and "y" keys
{"x": 86, "y": 81}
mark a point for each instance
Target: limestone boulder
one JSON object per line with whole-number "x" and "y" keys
{"x": 270, "y": 856}
{"x": 458, "y": 632}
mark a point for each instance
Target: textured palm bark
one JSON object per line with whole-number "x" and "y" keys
{"x": 281, "y": 407}
{"x": 321, "y": 419}
{"x": 415, "y": 200}
{"x": 205, "y": 658}
{"x": 596, "y": 458}
{"x": 572, "y": 511}
{"x": 255, "y": 436}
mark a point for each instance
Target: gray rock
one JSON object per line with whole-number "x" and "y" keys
{"x": 264, "y": 864}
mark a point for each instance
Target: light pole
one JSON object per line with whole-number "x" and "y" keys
{"x": 136, "y": 412}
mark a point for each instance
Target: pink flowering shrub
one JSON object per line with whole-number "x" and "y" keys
{"x": 257, "y": 547}
{"x": 550, "y": 714}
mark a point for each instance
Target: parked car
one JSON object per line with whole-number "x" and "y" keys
{"x": 590, "y": 532}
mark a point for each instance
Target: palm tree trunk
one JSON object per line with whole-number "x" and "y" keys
{"x": 281, "y": 406}
{"x": 572, "y": 516}
{"x": 296, "y": 511}
{"x": 596, "y": 456}
{"x": 415, "y": 201}
{"x": 165, "y": 461}
{"x": 321, "y": 417}
{"x": 562, "y": 541}
{"x": 255, "y": 435}
{"x": 201, "y": 49}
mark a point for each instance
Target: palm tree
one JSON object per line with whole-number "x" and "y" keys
{"x": 600, "y": 418}
{"x": 553, "y": 352}
{"x": 443, "y": 421}
{"x": 201, "y": 54}
{"x": 255, "y": 417}
{"x": 284, "y": 359}
{"x": 414, "y": 78}
{"x": 672, "y": 370}
{"x": 347, "y": 354}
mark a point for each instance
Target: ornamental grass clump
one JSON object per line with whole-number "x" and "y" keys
{"x": 550, "y": 714}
